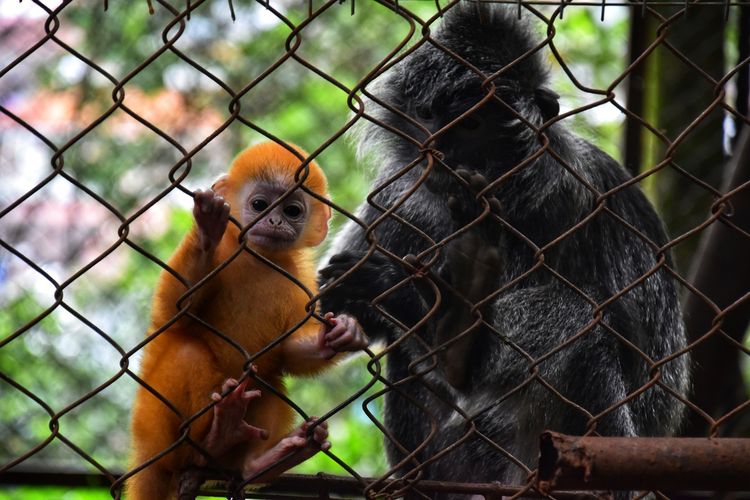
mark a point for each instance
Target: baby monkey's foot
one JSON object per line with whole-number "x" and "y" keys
{"x": 228, "y": 427}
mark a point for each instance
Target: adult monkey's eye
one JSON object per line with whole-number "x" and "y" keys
{"x": 470, "y": 123}
{"x": 259, "y": 205}
{"x": 424, "y": 112}
{"x": 293, "y": 211}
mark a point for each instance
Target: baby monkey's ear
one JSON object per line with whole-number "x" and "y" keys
{"x": 221, "y": 185}
{"x": 318, "y": 224}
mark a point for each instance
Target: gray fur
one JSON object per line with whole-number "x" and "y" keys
{"x": 541, "y": 201}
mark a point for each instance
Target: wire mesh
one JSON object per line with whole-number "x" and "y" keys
{"x": 106, "y": 135}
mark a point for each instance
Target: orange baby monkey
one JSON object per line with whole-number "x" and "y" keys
{"x": 189, "y": 365}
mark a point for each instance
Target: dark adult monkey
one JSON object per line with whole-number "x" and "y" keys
{"x": 542, "y": 195}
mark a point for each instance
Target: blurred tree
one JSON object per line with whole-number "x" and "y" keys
{"x": 693, "y": 51}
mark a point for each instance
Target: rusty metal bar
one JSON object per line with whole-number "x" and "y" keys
{"x": 625, "y": 463}
{"x": 53, "y": 477}
{"x": 301, "y": 484}
{"x": 288, "y": 485}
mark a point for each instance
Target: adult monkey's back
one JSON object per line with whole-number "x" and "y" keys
{"x": 610, "y": 353}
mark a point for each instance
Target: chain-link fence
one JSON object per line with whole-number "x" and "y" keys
{"x": 511, "y": 276}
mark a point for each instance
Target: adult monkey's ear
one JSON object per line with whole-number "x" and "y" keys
{"x": 548, "y": 103}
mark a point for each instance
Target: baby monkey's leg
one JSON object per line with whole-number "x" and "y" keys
{"x": 294, "y": 449}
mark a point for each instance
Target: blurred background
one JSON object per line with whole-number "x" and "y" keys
{"x": 80, "y": 155}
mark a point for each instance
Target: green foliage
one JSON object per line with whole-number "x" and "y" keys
{"x": 46, "y": 493}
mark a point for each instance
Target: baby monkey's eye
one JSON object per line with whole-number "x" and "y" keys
{"x": 259, "y": 205}
{"x": 293, "y": 211}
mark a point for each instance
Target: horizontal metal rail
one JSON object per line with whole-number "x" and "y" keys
{"x": 626, "y": 463}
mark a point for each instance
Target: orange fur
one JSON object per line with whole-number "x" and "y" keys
{"x": 247, "y": 301}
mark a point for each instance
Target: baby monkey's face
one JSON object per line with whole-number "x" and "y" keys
{"x": 282, "y": 226}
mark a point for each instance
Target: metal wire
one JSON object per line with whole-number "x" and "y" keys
{"x": 407, "y": 476}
